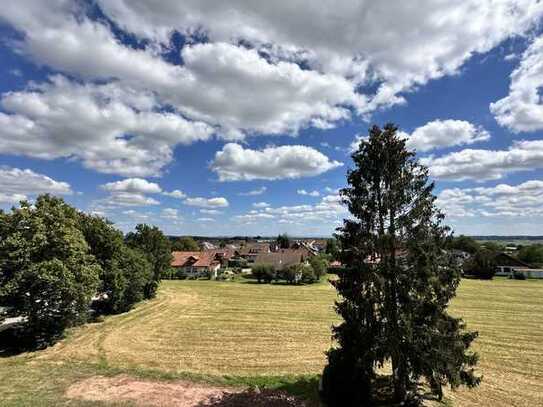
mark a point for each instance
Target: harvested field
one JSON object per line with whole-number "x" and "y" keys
{"x": 244, "y": 334}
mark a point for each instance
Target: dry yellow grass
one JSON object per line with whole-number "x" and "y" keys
{"x": 243, "y": 329}
{"x": 214, "y": 328}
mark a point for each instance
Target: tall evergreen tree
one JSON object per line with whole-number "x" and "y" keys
{"x": 283, "y": 241}
{"x": 397, "y": 283}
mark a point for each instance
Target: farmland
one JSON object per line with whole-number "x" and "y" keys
{"x": 241, "y": 333}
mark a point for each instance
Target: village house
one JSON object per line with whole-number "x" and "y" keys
{"x": 283, "y": 258}
{"x": 507, "y": 265}
{"x": 201, "y": 263}
{"x": 250, "y": 251}
{"x": 196, "y": 264}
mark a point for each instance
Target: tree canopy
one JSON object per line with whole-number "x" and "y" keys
{"x": 532, "y": 254}
{"x": 47, "y": 273}
{"x": 283, "y": 241}
{"x": 151, "y": 241}
{"x": 332, "y": 248}
{"x": 466, "y": 244}
{"x": 55, "y": 261}
{"x": 185, "y": 244}
{"x": 397, "y": 283}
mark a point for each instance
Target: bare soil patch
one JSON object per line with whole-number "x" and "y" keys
{"x": 147, "y": 393}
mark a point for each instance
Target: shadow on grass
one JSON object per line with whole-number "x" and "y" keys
{"x": 15, "y": 340}
{"x": 288, "y": 392}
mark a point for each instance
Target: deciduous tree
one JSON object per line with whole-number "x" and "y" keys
{"x": 151, "y": 241}
{"x": 185, "y": 244}
{"x": 47, "y": 274}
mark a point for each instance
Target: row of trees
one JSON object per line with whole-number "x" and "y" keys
{"x": 55, "y": 260}
{"x": 293, "y": 274}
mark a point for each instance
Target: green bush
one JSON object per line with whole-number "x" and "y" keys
{"x": 519, "y": 275}
{"x": 264, "y": 272}
{"x": 319, "y": 264}
{"x": 291, "y": 274}
{"x": 481, "y": 265}
{"x": 532, "y": 254}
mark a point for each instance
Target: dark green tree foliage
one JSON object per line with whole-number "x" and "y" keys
{"x": 466, "y": 244}
{"x": 493, "y": 246}
{"x": 137, "y": 274}
{"x": 125, "y": 274}
{"x": 332, "y": 249}
{"x": 185, "y": 244}
{"x": 532, "y": 254}
{"x": 291, "y": 274}
{"x": 264, "y": 272}
{"x": 151, "y": 241}
{"x": 47, "y": 274}
{"x": 481, "y": 265}
{"x": 283, "y": 241}
{"x": 319, "y": 265}
{"x": 397, "y": 283}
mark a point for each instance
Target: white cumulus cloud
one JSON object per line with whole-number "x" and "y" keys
{"x": 483, "y": 165}
{"x": 308, "y": 193}
{"x": 218, "y": 202}
{"x": 109, "y": 128}
{"x": 444, "y": 133}
{"x": 135, "y": 185}
{"x": 235, "y": 163}
{"x": 18, "y": 184}
{"x": 522, "y": 109}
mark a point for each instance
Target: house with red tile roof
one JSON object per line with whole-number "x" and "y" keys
{"x": 196, "y": 264}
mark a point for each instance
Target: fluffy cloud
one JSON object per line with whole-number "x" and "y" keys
{"x": 339, "y": 45}
{"x": 289, "y": 97}
{"x": 210, "y": 211}
{"x": 129, "y": 192}
{"x": 482, "y": 165}
{"x": 135, "y": 215}
{"x": 133, "y": 185}
{"x": 425, "y": 39}
{"x": 235, "y": 163}
{"x": 217, "y": 82}
{"x": 522, "y": 109}
{"x": 126, "y": 199}
{"x": 261, "y": 205}
{"x": 304, "y": 192}
{"x": 502, "y": 200}
{"x": 17, "y": 184}
{"x": 356, "y": 143}
{"x": 218, "y": 202}
{"x": 254, "y": 192}
{"x": 444, "y": 133}
{"x": 329, "y": 209}
{"x": 176, "y": 193}
{"x": 206, "y": 220}
{"x": 169, "y": 213}
{"x": 110, "y": 128}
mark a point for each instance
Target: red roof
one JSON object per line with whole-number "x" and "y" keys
{"x": 194, "y": 259}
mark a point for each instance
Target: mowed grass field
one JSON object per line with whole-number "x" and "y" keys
{"x": 244, "y": 333}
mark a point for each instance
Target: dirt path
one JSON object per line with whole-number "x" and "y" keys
{"x": 147, "y": 393}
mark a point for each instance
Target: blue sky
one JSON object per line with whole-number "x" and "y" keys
{"x": 220, "y": 118}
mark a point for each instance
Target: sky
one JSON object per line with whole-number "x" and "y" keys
{"x": 239, "y": 117}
